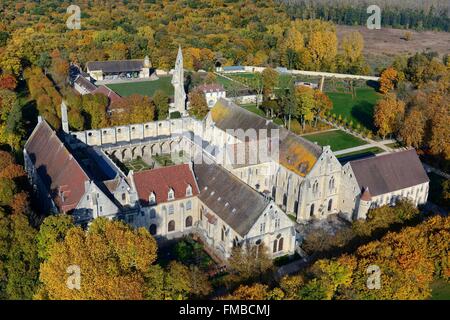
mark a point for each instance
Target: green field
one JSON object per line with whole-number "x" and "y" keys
{"x": 145, "y": 88}
{"x": 359, "y": 109}
{"x": 368, "y": 151}
{"x": 337, "y": 140}
{"x": 252, "y": 107}
{"x": 440, "y": 290}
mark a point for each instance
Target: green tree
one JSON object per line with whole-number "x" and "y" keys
{"x": 52, "y": 230}
{"x": 161, "y": 101}
{"x": 198, "y": 106}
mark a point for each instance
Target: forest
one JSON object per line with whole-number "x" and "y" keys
{"x": 418, "y": 15}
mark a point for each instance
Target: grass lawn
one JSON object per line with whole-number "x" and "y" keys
{"x": 145, "y": 88}
{"x": 440, "y": 290}
{"x": 163, "y": 160}
{"x": 360, "y": 109}
{"x": 252, "y": 107}
{"x": 368, "y": 151}
{"x": 137, "y": 165}
{"x": 394, "y": 145}
{"x": 337, "y": 140}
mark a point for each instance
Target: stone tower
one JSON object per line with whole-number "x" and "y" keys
{"x": 64, "y": 118}
{"x": 178, "y": 84}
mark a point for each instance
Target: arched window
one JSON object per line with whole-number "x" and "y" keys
{"x": 188, "y": 205}
{"x": 280, "y": 244}
{"x": 311, "y": 210}
{"x": 188, "y": 221}
{"x": 152, "y": 213}
{"x": 171, "y": 194}
{"x": 171, "y": 226}
{"x": 222, "y": 237}
{"x": 315, "y": 187}
{"x": 152, "y": 198}
{"x": 152, "y": 229}
{"x": 330, "y": 204}
{"x": 189, "y": 190}
{"x": 331, "y": 184}
{"x": 275, "y": 246}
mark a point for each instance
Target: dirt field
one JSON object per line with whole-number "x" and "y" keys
{"x": 390, "y": 41}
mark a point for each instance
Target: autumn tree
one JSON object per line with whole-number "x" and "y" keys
{"x": 249, "y": 262}
{"x": 52, "y": 230}
{"x": 413, "y": 128}
{"x": 94, "y": 106}
{"x": 388, "y": 114}
{"x": 114, "y": 261}
{"x": 255, "y": 291}
{"x": 270, "y": 78}
{"x": 388, "y": 80}
{"x": 8, "y": 81}
{"x": 161, "y": 101}
{"x": 304, "y": 104}
{"x": 198, "y": 107}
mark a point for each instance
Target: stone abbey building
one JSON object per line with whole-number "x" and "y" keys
{"x": 207, "y": 192}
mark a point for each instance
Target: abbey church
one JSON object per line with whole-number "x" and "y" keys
{"x": 205, "y": 191}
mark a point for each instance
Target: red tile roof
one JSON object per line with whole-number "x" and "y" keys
{"x": 160, "y": 181}
{"x": 213, "y": 87}
{"x": 55, "y": 165}
{"x": 113, "y": 97}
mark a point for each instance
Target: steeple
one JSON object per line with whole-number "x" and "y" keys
{"x": 178, "y": 84}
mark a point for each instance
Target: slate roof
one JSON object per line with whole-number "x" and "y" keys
{"x": 160, "y": 180}
{"x": 212, "y": 87}
{"x": 239, "y": 205}
{"x": 85, "y": 83}
{"x": 62, "y": 175}
{"x": 115, "y": 66}
{"x": 390, "y": 172}
{"x": 295, "y": 153}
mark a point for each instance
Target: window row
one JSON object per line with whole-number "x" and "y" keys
{"x": 171, "y": 226}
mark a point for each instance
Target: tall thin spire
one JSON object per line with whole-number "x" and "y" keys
{"x": 178, "y": 84}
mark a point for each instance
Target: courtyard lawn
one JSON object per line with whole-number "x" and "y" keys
{"x": 145, "y": 88}
{"x": 163, "y": 160}
{"x": 252, "y": 107}
{"x": 359, "y": 110}
{"x": 337, "y": 140}
{"x": 137, "y": 165}
{"x": 440, "y": 290}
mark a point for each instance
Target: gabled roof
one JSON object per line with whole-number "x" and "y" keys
{"x": 390, "y": 172}
{"x": 231, "y": 199}
{"x": 115, "y": 66}
{"x": 161, "y": 180}
{"x": 295, "y": 153}
{"x": 85, "y": 83}
{"x": 104, "y": 90}
{"x": 57, "y": 168}
{"x": 212, "y": 87}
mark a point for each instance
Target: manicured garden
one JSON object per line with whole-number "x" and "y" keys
{"x": 358, "y": 109}
{"x": 336, "y": 139}
{"x": 145, "y": 88}
{"x": 137, "y": 165}
{"x": 361, "y": 153}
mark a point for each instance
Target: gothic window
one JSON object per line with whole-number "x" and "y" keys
{"x": 189, "y": 205}
{"x": 188, "y": 222}
{"x": 315, "y": 187}
{"x": 101, "y": 209}
{"x": 277, "y": 223}
{"x": 311, "y": 211}
{"x": 280, "y": 244}
{"x": 262, "y": 227}
{"x": 152, "y": 229}
{"x": 152, "y": 198}
{"x": 171, "y": 226}
{"x": 171, "y": 209}
{"x": 152, "y": 213}
{"x": 235, "y": 242}
{"x": 222, "y": 236}
{"x": 124, "y": 196}
{"x": 285, "y": 200}
{"x": 331, "y": 184}
{"x": 170, "y": 195}
{"x": 189, "y": 190}
{"x": 330, "y": 204}
{"x": 275, "y": 246}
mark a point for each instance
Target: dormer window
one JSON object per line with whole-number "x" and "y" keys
{"x": 189, "y": 190}
{"x": 171, "y": 194}
{"x": 152, "y": 198}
